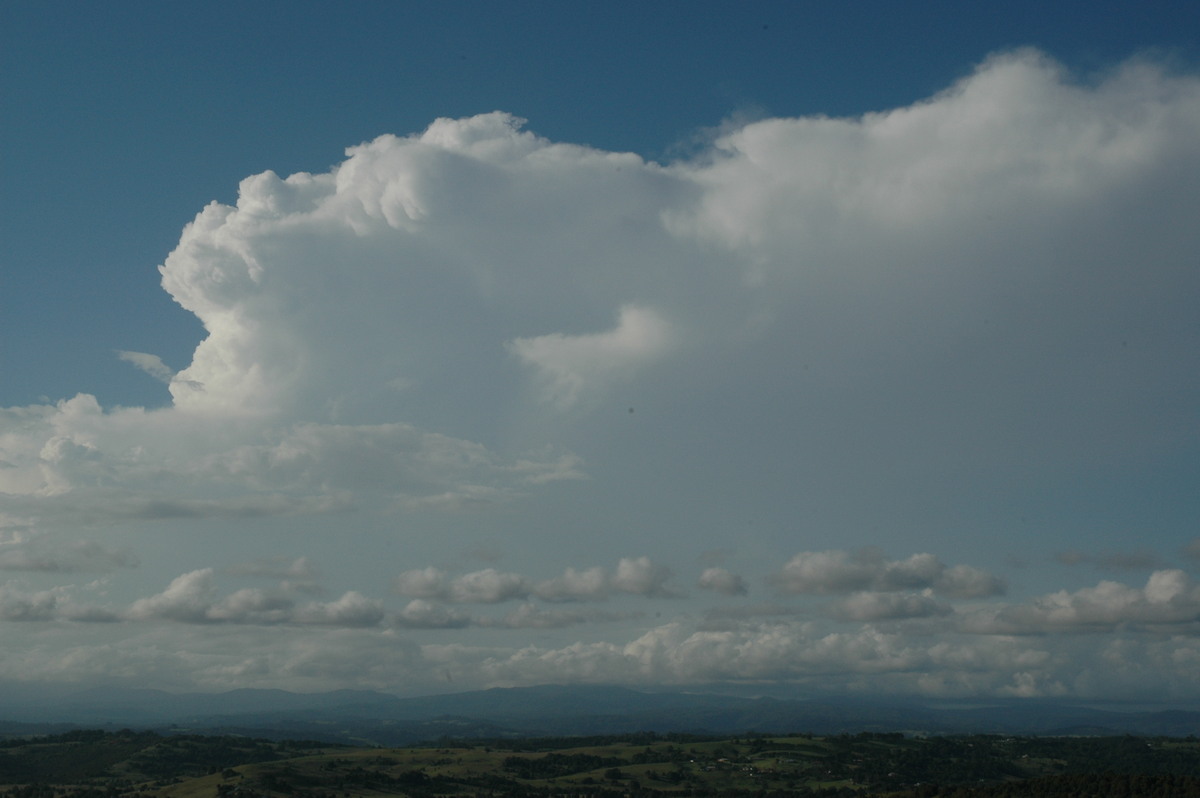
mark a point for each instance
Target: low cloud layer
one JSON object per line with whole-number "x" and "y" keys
{"x": 633, "y": 575}
{"x": 1107, "y": 636}
{"x": 875, "y": 361}
{"x": 824, "y": 572}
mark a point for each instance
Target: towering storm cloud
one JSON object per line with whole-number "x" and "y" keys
{"x": 703, "y": 389}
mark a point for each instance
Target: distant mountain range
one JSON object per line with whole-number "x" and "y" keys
{"x": 358, "y": 716}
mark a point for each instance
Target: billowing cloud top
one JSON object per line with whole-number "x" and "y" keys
{"x": 910, "y": 317}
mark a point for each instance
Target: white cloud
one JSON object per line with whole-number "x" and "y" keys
{"x": 882, "y": 323}
{"x": 587, "y": 585}
{"x": 19, "y": 605}
{"x": 189, "y": 598}
{"x": 571, "y": 365}
{"x": 1170, "y": 598}
{"x": 192, "y": 598}
{"x": 487, "y": 586}
{"x": 873, "y": 606}
{"x": 641, "y": 577}
{"x": 353, "y": 609}
{"x": 839, "y": 571}
{"x": 722, "y": 581}
{"x": 251, "y": 605}
{"x": 151, "y": 364}
{"x": 423, "y": 583}
{"x": 866, "y": 660}
{"x": 633, "y": 575}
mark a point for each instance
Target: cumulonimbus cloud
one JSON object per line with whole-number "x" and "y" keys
{"x": 954, "y": 294}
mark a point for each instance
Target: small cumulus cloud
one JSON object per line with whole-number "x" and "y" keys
{"x": 188, "y": 598}
{"x": 193, "y": 598}
{"x": 1169, "y": 599}
{"x": 589, "y": 584}
{"x": 722, "y": 581}
{"x": 353, "y": 609}
{"x": 642, "y": 577}
{"x": 638, "y": 576}
{"x": 840, "y": 571}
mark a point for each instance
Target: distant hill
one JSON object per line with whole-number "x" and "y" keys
{"x": 360, "y": 717}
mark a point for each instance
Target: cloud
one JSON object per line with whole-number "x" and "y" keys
{"x": 368, "y": 327}
{"x": 189, "y": 599}
{"x": 192, "y": 598}
{"x": 866, "y": 661}
{"x": 641, "y": 577}
{"x": 722, "y": 581}
{"x": 18, "y": 605}
{"x": 839, "y": 571}
{"x": 633, "y": 575}
{"x": 249, "y": 605}
{"x": 1169, "y": 599}
{"x": 151, "y": 364}
{"x": 873, "y": 606}
{"x": 573, "y": 364}
{"x": 891, "y": 322}
{"x": 59, "y": 603}
{"x": 590, "y": 584}
{"x": 423, "y": 583}
{"x": 75, "y": 459}
{"x": 487, "y": 586}
{"x": 83, "y": 555}
{"x": 353, "y": 609}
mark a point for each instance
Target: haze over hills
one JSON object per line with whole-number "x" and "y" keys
{"x": 552, "y": 710}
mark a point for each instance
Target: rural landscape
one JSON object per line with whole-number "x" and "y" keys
{"x": 586, "y": 741}
{"x": 126, "y": 763}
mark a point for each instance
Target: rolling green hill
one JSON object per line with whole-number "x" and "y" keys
{"x": 93, "y": 763}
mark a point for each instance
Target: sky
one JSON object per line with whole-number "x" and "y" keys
{"x": 830, "y": 348}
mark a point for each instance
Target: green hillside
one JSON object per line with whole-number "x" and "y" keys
{"x": 131, "y": 764}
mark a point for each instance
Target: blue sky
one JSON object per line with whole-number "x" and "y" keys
{"x": 846, "y": 346}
